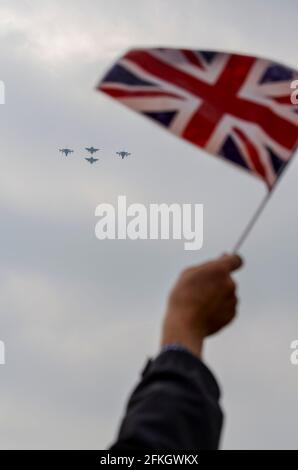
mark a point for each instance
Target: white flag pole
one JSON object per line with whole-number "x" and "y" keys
{"x": 260, "y": 208}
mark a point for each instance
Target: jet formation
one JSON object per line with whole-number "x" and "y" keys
{"x": 92, "y": 150}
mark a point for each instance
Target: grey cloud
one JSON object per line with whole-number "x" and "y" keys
{"x": 70, "y": 305}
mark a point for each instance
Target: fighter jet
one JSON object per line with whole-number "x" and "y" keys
{"x": 123, "y": 154}
{"x": 91, "y": 160}
{"x": 92, "y": 150}
{"x": 66, "y": 151}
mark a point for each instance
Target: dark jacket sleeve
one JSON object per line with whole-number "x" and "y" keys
{"x": 174, "y": 407}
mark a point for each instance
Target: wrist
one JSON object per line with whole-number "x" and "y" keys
{"x": 192, "y": 343}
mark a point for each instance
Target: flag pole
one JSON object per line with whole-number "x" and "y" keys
{"x": 252, "y": 221}
{"x": 260, "y": 208}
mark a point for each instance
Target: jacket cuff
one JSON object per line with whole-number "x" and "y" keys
{"x": 183, "y": 362}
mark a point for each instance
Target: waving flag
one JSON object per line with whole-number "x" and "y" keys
{"x": 233, "y": 106}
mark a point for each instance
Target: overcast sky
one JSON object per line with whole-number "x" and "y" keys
{"x": 80, "y": 316}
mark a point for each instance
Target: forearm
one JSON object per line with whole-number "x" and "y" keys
{"x": 175, "y": 407}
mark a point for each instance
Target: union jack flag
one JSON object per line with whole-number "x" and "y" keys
{"x": 234, "y": 106}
